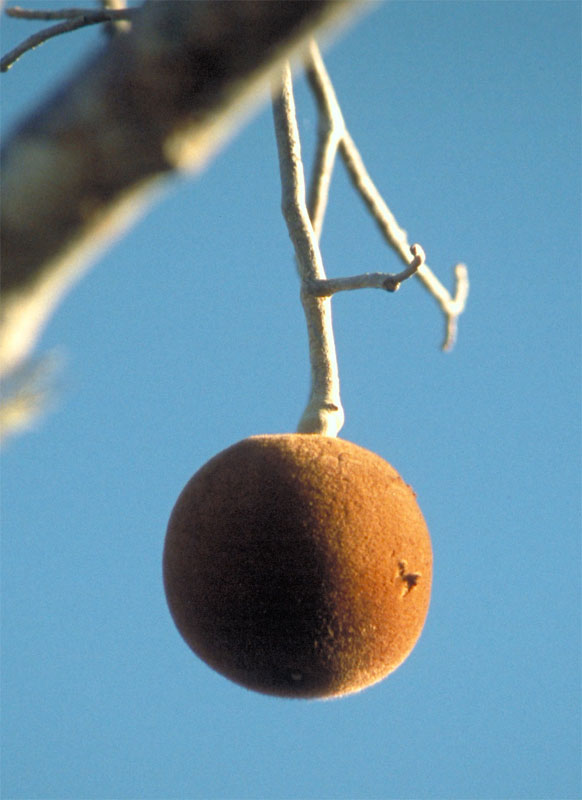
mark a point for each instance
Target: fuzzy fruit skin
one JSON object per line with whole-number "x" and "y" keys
{"x": 298, "y": 565}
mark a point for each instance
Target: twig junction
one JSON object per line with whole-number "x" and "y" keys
{"x": 334, "y": 138}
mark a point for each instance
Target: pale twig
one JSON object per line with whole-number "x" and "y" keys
{"x": 331, "y": 129}
{"x": 336, "y": 131}
{"x": 369, "y": 280}
{"x": 328, "y": 143}
{"x": 71, "y": 23}
{"x": 324, "y": 413}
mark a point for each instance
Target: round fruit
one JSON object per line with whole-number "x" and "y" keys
{"x": 298, "y": 565}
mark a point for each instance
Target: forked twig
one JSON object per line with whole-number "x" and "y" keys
{"x": 324, "y": 413}
{"x": 73, "y": 19}
{"x": 334, "y": 138}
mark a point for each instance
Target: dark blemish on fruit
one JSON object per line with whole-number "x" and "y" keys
{"x": 410, "y": 579}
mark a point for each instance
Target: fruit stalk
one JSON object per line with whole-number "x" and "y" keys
{"x": 324, "y": 412}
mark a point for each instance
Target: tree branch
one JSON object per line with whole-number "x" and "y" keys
{"x": 162, "y": 97}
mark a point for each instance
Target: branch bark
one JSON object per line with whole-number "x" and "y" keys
{"x": 159, "y": 99}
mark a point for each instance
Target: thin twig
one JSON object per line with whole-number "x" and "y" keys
{"x": 62, "y": 13}
{"x": 70, "y": 24}
{"x": 336, "y": 130}
{"x": 328, "y": 143}
{"x": 324, "y": 413}
{"x": 369, "y": 280}
{"x": 394, "y": 234}
{"x": 331, "y": 130}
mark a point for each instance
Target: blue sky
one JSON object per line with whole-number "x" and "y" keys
{"x": 188, "y": 336}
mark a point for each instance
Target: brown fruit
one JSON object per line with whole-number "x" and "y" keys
{"x": 298, "y": 565}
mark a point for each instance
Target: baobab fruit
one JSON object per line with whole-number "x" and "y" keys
{"x": 298, "y": 565}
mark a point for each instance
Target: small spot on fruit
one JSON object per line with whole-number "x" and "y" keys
{"x": 410, "y": 579}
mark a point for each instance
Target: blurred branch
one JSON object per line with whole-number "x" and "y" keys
{"x": 119, "y": 25}
{"x": 161, "y": 98}
{"x": 26, "y": 394}
{"x": 334, "y": 137}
